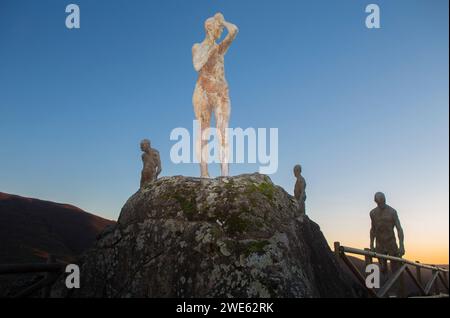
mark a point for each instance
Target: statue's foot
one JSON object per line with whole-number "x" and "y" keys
{"x": 204, "y": 170}
{"x": 224, "y": 171}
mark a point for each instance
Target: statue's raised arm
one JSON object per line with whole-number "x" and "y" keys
{"x": 200, "y": 55}
{"x": 232, "y": 32}
{"x": 214, "y": 26}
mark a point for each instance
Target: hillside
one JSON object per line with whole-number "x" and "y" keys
{"x": 32, "y": 228}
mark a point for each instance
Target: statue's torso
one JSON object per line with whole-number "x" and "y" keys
{"x": 384, "y": 223}
{"x": 212, "y": 75}
{"x": 299, "y": 190}
{"x": 148, "y": 161}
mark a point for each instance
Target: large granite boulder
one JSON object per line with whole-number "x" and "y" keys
{"x": 226, "y": 237}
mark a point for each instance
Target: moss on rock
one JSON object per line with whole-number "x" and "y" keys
{"x": 236, "y": 224}
{"x": 256, "y": 247}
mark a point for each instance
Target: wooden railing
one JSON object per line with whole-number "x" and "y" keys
{"x": 438, "y": 273}
{"x": 52, "y": 270}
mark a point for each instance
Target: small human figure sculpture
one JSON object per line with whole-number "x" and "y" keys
{"x": 211, "y": 90}
{"x": 384, "y": 219}
{"x": 299, "y": 190}
{"x": 151, "y": 163}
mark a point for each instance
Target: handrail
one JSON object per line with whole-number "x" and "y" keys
{"x": 352, "y": 250}
{"x": 52, "y": 270}
{"x": 438, "y": 273}
{"x": 30, "y": 268}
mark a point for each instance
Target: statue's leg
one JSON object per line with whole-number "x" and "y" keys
{"x": 142, "y": 180}
{"x": 205, "y": 124}
{"x": 146, "y": 177}
{"x": 302, "y": 206}
{"x": 399, "y": 287}
{"x": 203, "y": 115}
{"x": 222, "y": 115}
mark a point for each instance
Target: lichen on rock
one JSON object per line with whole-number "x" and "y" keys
{"x": 225, "y": 237}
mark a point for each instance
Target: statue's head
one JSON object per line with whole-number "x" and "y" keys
{"x": 145, "y": 145}
{"x": 297, "y": 170}
{"x": 214, "y": 26}
{"x": 380, "y": 199}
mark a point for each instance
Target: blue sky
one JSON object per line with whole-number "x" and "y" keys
{"x": 362, "y": 110}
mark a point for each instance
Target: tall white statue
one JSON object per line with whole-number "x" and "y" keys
{"x": 211, "y": 90}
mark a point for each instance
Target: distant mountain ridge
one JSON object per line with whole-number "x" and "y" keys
{"x": 30, "y": 229}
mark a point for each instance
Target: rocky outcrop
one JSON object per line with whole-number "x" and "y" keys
{"x": 226, "y": 237}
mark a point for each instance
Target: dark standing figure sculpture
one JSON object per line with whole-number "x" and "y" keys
{"x": 299, "y": 190}
{"x": 382, "y": 237}
{"x": 151, "y": 163}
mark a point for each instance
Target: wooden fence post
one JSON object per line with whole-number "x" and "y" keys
{"x": 368, "y": 259}
{"x": 337, "y": 249}
{"x": 402, "y": 291}
{"x": 445, "y": 280}
{"x": 46, "y": 289}
{"x": 436, "y": 286}
{"x": 419, "y": 274}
